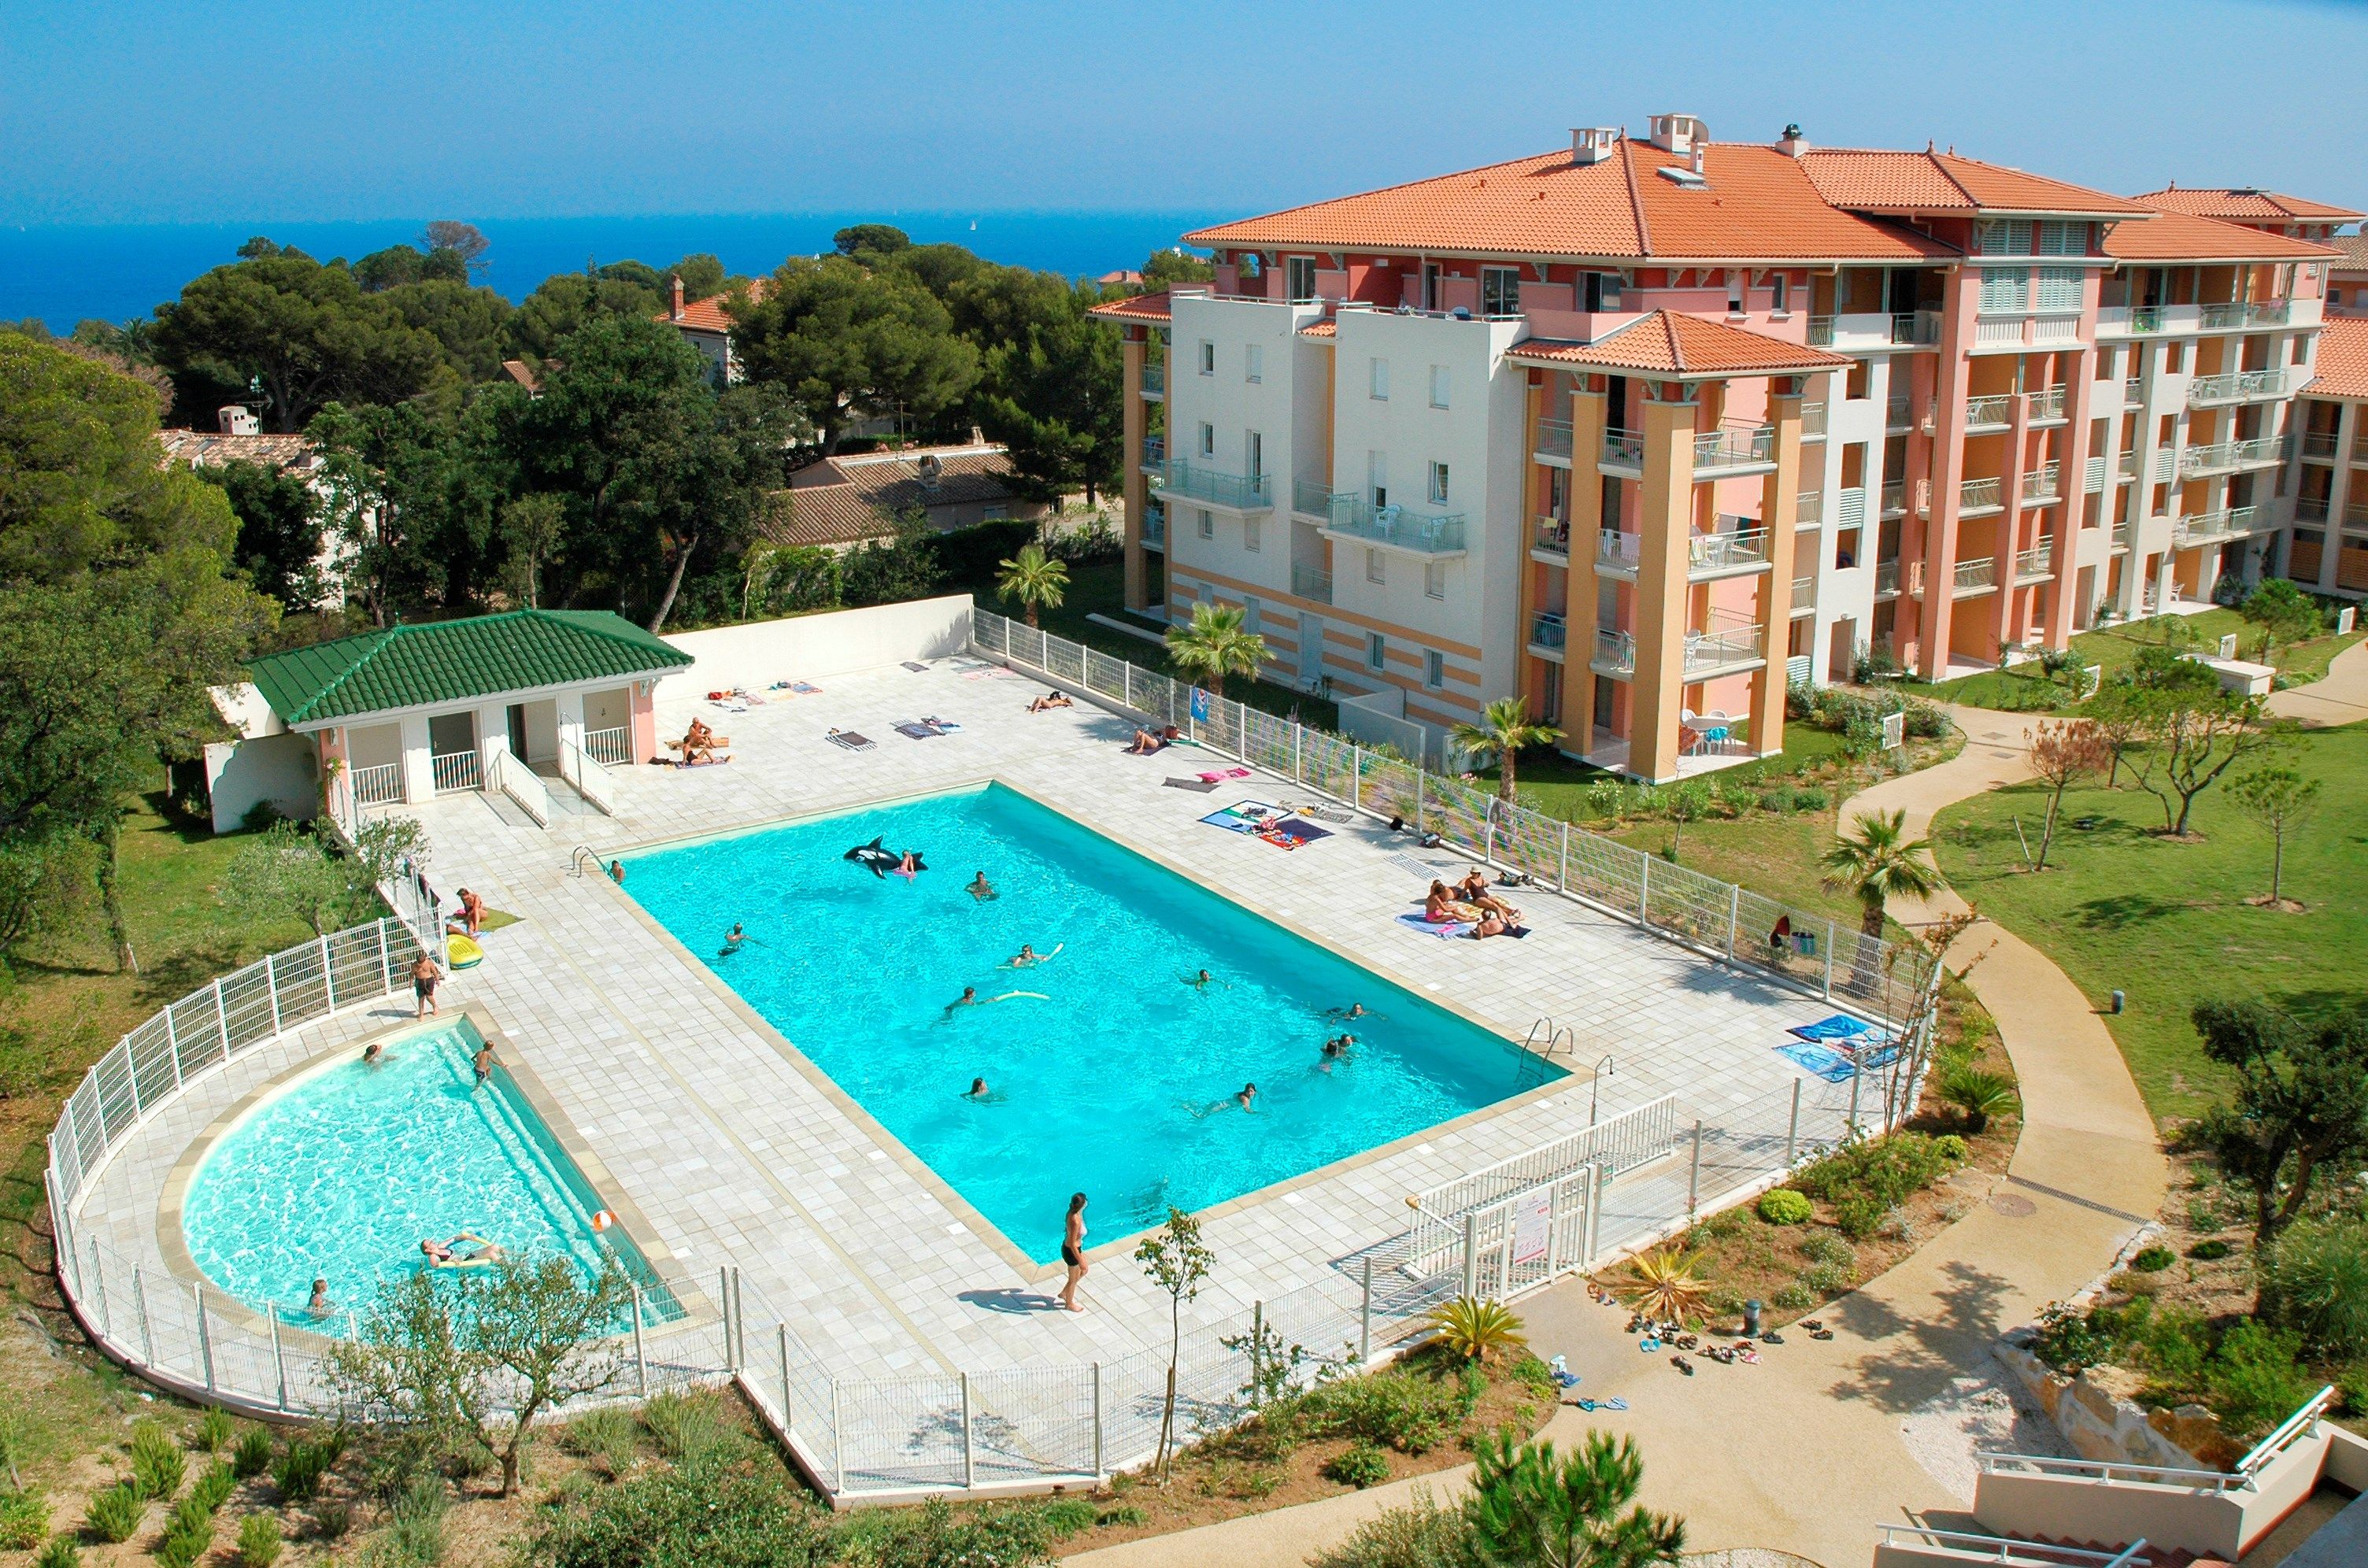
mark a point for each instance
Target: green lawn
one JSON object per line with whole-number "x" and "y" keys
{"x": 1765, "y": 852}
{"x": 2168, "y": 922}
{"x": 2114, "y": 648}
{"x": 1557, "y": 785}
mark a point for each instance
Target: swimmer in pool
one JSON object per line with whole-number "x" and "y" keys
{"x": 1353, "y": 1010}
{"x": 445, "y": 1255}
{"x": 1246, "y": 1096}
{"x": 1029, "y": 955}
{"x": 374, "y": 1053}
{"x": 908, "y": 864}
{"x": 977, "y": 1089}
{"x": 320, "y": 1308}
{"x": 979, "y": 888}
{"x": 969, "y": 999}
{"x": 734, "y": 937}
{"x": 1200, "y": 980}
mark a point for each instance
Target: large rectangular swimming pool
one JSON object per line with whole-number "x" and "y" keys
{"x": 1108, "y": 1070}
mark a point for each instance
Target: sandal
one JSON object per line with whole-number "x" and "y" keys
{"x": 1682, "y": 1365}
{"x": 1771, "y": 1338}
{"x": 1812, "y": 1324}
{"x": 1823, "y": 1333}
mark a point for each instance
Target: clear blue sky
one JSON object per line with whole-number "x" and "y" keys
{"x": 237, "y": 110}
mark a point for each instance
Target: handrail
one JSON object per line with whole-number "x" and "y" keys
{"x": 588, "y": 777}
{"x": 2287, "y": 1431}
{"x": 2009, "y": 1550}
{"x": 519, "y": 783}
{"x": 2110, "y": 1469}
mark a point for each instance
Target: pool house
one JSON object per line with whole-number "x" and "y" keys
{"x": 491, "y": 702}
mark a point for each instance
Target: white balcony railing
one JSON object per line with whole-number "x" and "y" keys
{"x": 379, "y": 786}
{"x": 1547, "y": 630}
{"x": 2320, "y": 444}
{"x": 1734, "y": 447}
{"x": 1898, "y": 415}
{"x": 2222, "y": 522}
{"x": 457, "y": 771}
{"x": 1715, "y": 648}
{"x": 1813, "y": 421}
{"x": 2134, "y": 391}
{"x": 1974, "y": 577}
{"x": 2042, "y": 483}
{"x": 1886, "y": 579}
{"x": 610, "y": 747}
{"x": 1310, "y": 583}
{"x": 1397, "y": 526}
{"x": 1616, "y": 551}
{"x": 2030, "y": 565}
{"x": 1809, "y": 509}
{"x": 1554, "y": 439}
{"x": 1991, "y": 412}
{"x": 1720, "y": 552}
{"x": 1895, "y": 498}
{"x": 1804, "y": 593}
{"x": 1312, "y": 497}
{"x": 1623, "y": 448}
{"x": 1980, "y": 495}
{"x": 1551, "y": 534}
{"x": 1197, "y": 482}
{"x": 2047, "y": 405}
{"x": 2226, "y": 457}
{"x": 2236, "y": 386}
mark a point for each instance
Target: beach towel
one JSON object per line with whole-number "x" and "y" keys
{"x": 1840, "y": 1026}
{"x": 805, "y": 688}
{"x": 922, "y": 669}
{"x": 917, "y": 732}
{"x": 1304, "y": 832}
{"x": 1244, "y": 817}
{"x": 1199, "y": 786}
{"x": 848, "y": 740}
{"x": 1818, "y": 1059}
{"x": 1441, "y": 929}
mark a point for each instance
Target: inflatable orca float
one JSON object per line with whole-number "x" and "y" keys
{"x": 879, "y": 861}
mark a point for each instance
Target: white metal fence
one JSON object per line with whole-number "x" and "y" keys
{"x": 612, "y": 746}
{"x": 457, "y": 772}
{"x": 379, "y": 786}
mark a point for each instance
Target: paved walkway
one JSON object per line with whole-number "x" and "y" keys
{"x": 2340, "y": 696}
{"x": 1811, "y": 1448}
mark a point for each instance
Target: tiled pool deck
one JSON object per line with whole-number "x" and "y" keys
{"x": 735, "y": 1151}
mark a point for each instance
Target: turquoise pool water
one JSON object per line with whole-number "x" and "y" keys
{"x": 341, "y": 1173}
{"x": 1116, "y": 1078}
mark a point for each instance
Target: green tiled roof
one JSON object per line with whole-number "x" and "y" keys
{"x": 457, "y": 661}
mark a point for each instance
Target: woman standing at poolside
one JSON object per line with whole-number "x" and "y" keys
{"x": 1073, "y": 1251}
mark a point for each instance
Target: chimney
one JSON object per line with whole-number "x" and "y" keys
{"x": 1679, "y": 133}
{"x": 1793, "y": 143}
{"x": 676, "y": 313}
{"x": 237, "y": 419}
{"x": 1593, "y": 143}
{"x": 1698, "y": 157}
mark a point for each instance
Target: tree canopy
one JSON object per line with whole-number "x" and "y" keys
{"x": 845, "y": 342}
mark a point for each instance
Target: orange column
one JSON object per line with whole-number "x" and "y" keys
{"x": 1663, "y": 593}
{"x": 1588, "y": 418}
{"x": 1778, "y": 505}
{"x": 2055, "y": 613}
{"x": 1940, "y": 543}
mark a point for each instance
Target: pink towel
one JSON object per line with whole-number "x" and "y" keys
{"x": 1211, "y": 778}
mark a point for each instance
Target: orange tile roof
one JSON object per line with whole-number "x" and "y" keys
{"x": 1321, "y": 329}
{"x": 1754, "y": 204}
{"x": 844, "y": 499}
{"x": 2355, "y": 252}
{"x": 2246, "y": 205}
{"x": 1878, "y": 180}
{"x": 1666, "y": 342}
{"x": 708, "y": 314}
{"x": 211, "y": 448}
{"x": 1133, "y": 308}
{"x": 2342, "y": 367}
{"x": 2173, "y": 235}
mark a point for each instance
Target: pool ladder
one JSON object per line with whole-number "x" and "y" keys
{"x": 1538, "y": 1048}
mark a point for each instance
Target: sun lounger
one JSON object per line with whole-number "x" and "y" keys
{"x": 848, "y": 740}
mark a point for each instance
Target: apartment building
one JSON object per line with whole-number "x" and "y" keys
{"x": 1648, "y": 428}
{"x": 2328, "y": 547}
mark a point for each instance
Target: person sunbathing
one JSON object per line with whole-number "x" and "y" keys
{"x": 1144, "y": 744}
{"x": 1046, "y": 704}
{"x": 1491, "y": 925}
{"x": 1439, "y": 906}
{"x": 1474, "y": 890}
{"x": 445, "y": 1255}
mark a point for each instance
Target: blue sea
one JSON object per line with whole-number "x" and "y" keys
{"x": 63, "y": 275}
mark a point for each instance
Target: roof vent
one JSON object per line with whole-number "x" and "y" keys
{"x": 1679, "y": 133}
{"x": 1792, "y": 144}
{"x": 1593, "y": 143}
{"x": 1683, "y": 178}
{"x": 237, "y": 419}
{"x": 931, "y": 470}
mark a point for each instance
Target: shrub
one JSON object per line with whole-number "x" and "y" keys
{"x": 2254, "y": 1380}
{"x": 1119, "y": 1514}
{"x": 1065, "y": 1517}
{"x": 214, "y": 1487}
{"x": 1535, "y": 1377}
{"x": 1860, "y": 1215}
{"x": 332, "y": 1519}
{"x": 1662, "y": 1284}
{"x": 300, "y": 1469}
{"x": 1475, "y": 1329}
{"x": 686, "y": 1427}
{"x": 2315, "y": 1281}
{"x": 1882, "y": 1171}
{"x": 1782, "y": 1206}
{"x": 258, "y": 1541}
{"x": 2208, "y": 1249}
{"x": 1812, "y": 799}
{"x": 1423, "y": 1535}
{"x": 1793, "y": 1297}
{"x": 1359, "y": 1465}
{"x": 416, "y": 1522}
{"x": 157, "y": 1467}
{"x": 114, "y": 1513}
{"x": 1978, "y": 1095}
{"x": 252, "y": 1457}
{"x": 2070, "y": 1341}
{"x": 2153, "y": 1260}
{"x": 1396, "y": 1407}
{"x": 61, "y": 1553}
{"x": 607, "y": 1437}
{"x": 1898, "y": 1225}
{"x": 213, "y": 1432}
{"x": 187, "y": 1534}
{"x": 24, "y": 1518}
{"x": 1827, "y": 1278}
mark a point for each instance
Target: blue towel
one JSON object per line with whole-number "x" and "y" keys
{"x": 1816, "y": 1059}
{"x": 1841, "y": 1026}
{"x": 1446, "y": 929}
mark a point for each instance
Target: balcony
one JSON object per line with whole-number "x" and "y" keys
{"x": 2046, "y": 407}
{"x": 1553, "y": 441}
{"x": 1214, "y": 487}
{"x": 1809, "y": 509}
{"x": 1547, "y": 633}
{"x": 1735, "y": 448}
{"x": 1916, "y": 329}
{"x": 1720, "y": 647}
{"x": 1805, "y": 594}
{"x": 2125, "y": 537}
{"x": 2042, "y": 483}
{"x": 1397, "y": 528}
{"x": 1886, "y": 579}
{"x": 1623, "y": 450}
{"x": 1617, "y": 552}
{"x": 1971, "y": 577}
{"x": 1993, "y": 412}
{"x": 1551, "y": 536}
{"x": 1154, "y": 376}
{"x": 2126, "y": 466}
{"x": 2116, "y": 321}
{"x": 2319, "y": 445}
{"x": 1894, "y": 499}
{"x": 2035, "y": 566}
{"x": 2220, "y": 317}
{"x": 2311, "y": 509}
{"x": 1314, "y": 498}
{"x": 2355, "y": 517}
{"x": 1155, "y": 531}
{"x": 1813, "y": 421}
{"x": 1978, "y": 496}
{"x": 2134, "y": 392}
{"x": 2236, "y": 386}
{"x": 1899, "y": 417}
{"x": 1707, "y": 555}
{"x": 2269, "y": 312}
{"x": 1310, "y": 583}
{"x": 2224, "y": 522}
{"x": 1154, "y": 451}
{"x": 2228, "y": 457}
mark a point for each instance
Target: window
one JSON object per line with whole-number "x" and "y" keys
{"x": 1208, "y": 526}
{"x": 1439, "y": 386}
{"x": 1375, "y": 569}
{"x": 1439, "y": 485}
{"x": 1208, "y": 358}
{"x": 1602, "y": 290}
{"x": 2006, "y": 290}
{"x": 2057, "y": 237}
{"x": 1254, "y": 362}
{"x": 1299, "y": 278}
{"x": 1434, "y": 579}
{"x": 1251, "y": 614}
{"x": 1430, "y": 285}
{"x": 2059, "y": 288}
{"x": 2002, "y": 236}
{"x": 1377, "y": 380}
{"x": 1733, "y": 291}
{"x": 1780, "y": 293}
{"x": 1500, "y": 290}
{"x": 1377, "y": 477}
{"x": 1254, "y": 448}
{"x": 1434, "y": 668}
{"x": 1376, "y": 651}
{"x": 1208, "y": 440}
{"x": 1252, "y": 536}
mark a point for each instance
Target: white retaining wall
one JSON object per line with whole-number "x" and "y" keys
{"x": 813, "y": 647}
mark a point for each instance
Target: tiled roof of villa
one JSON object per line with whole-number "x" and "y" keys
{"x": 209, "y": 449}
{"x": 433, "y": 663}
{"x": 708, "y": 314}
{"x": 2342, "y": 367}
{"x": 2354, "y": 248}
{"x": 1670, "y": 344}
{"x": 1135, "y": 308}
{"x": 1751, "y": 203}
{"x": 844, "y": 500}
{"x": 2173, "y": 235}
{"x": 1883, "y": 181}
{"x": 2239, "y": 204}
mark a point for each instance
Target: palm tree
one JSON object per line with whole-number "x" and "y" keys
{"x": 1505, "y": 728}
{"x": 1033, "y": 578}
{"x": 1876, "y": 859}
{"x": 1215, "y": 645}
